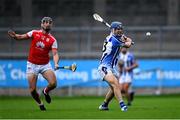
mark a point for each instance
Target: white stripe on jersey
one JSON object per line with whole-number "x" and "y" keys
{"x": 55, "y": 44}
{"x": 30, "y": 33}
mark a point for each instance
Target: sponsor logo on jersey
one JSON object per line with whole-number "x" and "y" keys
{"x": 40, "y": 45}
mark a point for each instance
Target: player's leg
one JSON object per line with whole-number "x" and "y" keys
{"x": 32, "y": 79}
{"x": 121, "y": 85}
{"x": 109, "y": 95}
{"x": 112, "y": 80}
{"x": 131, "y": 96}
{"x": 108, "y": 98}
{"x": 126, "y": 90}
{"x": 131, "y": 93}
{"x": 49, "y": 75}
{"x": 32, "y": 75}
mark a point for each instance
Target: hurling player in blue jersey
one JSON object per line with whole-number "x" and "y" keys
{"x": 125, "y": 66}
{"x": 111, "y": 49}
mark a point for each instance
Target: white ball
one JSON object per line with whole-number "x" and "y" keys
{"x": 148, "y": 34}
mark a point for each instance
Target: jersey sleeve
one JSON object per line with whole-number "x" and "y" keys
{"x": 30, "y": 33}
{"x": 54, "y": 45}
{"x": 132, "y": 58}
{"x": 116, "y": 42}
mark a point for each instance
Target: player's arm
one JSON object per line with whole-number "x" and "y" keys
{"x": 134, "y": 65}
{"x": 55, "y": 54}
{"x": 55, "y": 57}
{"x": 12, "y": 34}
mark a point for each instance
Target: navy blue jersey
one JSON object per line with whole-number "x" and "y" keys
{"x": 111, "y": 48}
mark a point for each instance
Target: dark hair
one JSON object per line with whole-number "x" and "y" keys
{"x": 49, "y": 19}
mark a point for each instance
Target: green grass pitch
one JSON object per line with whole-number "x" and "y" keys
{"x": 155, "y": 107}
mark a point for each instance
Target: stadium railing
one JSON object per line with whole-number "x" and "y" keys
{"x": 86, "y": 42}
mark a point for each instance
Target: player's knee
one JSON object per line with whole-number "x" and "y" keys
{"x": 126, "y": 89}
{"x": 123, "y": 91}
{"x": 115, "y": 84}
{"x": 31, "y": 89}
{"x": 53, "y": 84}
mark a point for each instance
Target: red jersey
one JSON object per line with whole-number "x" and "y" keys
{"x": 41, "y": 44}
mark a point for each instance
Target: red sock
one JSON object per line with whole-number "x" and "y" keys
{"x": 46, "y": 90}
{"x": 35, "y": 95}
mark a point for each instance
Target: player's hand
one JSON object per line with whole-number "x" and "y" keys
{"x": 12, "y": 34}
{"x": 127, "y": 41}
{"x": 127, "y": 69}
{"x": 56, "y": 66}
{"x": 127, "y": 44}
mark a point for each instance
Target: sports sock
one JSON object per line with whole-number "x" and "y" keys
{"x": 40, "y": 103}
{"x": 35, "y": 95}
{"x": 49, "y": 88}
{"x": 46, "y": 90}
{"x": 121, "y": 103}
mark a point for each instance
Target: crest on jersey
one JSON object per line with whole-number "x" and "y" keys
{"x": 43, "y": 37}
{"x": 40, "y": 44}
{"x": 37, "y": 35}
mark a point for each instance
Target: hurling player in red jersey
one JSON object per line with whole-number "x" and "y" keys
{"x": 38, "y": 60}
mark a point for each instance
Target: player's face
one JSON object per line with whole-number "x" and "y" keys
{"x": 46, "y": 25}
{"x": 124, "y": 50}
{"x": 118, "y": 31}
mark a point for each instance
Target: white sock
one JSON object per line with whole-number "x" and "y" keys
{"x": 45, "y": 91}
{"x": 41, "y": 104}
{"x": 121, "y": 101}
